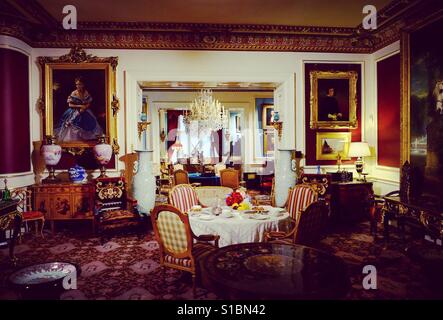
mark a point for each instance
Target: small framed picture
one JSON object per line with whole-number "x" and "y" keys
{"x": 332, "y": 144}
{"x": 268, "y": 116}
{"x": 237, "y": 123}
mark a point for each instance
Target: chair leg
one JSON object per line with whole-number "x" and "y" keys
{"x": 36, "y": 228}
{"x": 41, "y": 229}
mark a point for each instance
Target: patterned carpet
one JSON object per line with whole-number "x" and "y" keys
{"x": 127, "y": 267}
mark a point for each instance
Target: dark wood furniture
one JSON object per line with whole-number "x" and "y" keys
{"x": 422, "y": 214}
{"x": 65, "y": 201}
{"x": 350, "y": 201}
{"x": 274, "y": 271}
{"x": 10, "y": 218}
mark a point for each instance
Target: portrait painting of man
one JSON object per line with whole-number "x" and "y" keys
{"x": 333, "y": 104}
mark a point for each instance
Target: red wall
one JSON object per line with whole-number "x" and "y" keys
{"x": 388, "y": 108}
{"x": 311, "y": 134}
{"x": 15, "y": 154}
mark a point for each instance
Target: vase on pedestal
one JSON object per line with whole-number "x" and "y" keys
{"x": 52, "y": 154}
{"x": 144, "y": 186}
{"x": 285, "y": 177}
{"x": 103, "y": 154}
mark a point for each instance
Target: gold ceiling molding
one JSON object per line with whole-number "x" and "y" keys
{"x": 214, "y": 28}
{"x": 201, "y": 36}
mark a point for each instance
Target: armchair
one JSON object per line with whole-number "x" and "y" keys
{"x": 113, "y": 208}
{"x": 309, "y": 212}
{"x": 176, "y": 240}
{"x": 183, "y": 197}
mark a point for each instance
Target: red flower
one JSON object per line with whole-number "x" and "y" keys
{"x": 234, "y": 197}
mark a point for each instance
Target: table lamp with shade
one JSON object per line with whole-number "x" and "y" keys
{"x": 359, "y": 150}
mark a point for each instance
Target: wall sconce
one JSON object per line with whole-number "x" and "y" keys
{"x": 279, "y": 127}
{"x": 297, "y": 156}
{"x": 277, "y": 124}
{"x": 162, "y": 135}
{"x": 142, "y": 126}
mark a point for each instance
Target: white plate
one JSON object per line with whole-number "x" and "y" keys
{"x": 206, "y": 217}
{"x": 259, "y": 217}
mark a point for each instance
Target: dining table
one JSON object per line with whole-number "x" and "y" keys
{"x": 235, "y": 226}
{"x": 268, "y": 271}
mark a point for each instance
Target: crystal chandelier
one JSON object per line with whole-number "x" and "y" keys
{"x": 209, "y": 113}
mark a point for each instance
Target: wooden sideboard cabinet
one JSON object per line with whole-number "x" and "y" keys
{"x": 65, "y": 201}
{"x": 349, "y": 201}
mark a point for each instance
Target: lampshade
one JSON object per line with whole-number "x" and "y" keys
{"x": 359, "y": 149}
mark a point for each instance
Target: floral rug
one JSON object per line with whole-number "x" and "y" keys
{"x": 127, "y": 267}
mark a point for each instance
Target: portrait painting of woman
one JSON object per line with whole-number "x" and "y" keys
{"x": 79, "y": 105}
{"x": 78, "y": 122}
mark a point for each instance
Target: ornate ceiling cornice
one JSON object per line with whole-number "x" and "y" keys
{"x": 197, "y": 36}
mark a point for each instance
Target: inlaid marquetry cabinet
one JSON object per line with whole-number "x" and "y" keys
{"x": 65, "y": 201}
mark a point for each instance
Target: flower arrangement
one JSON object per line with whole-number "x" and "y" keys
{"x": 237, "y": 200}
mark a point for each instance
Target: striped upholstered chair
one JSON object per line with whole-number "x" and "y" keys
{"x": 309, "y": 214}
{"x": 178, "y": 249}
{"x": 183, "y": 197}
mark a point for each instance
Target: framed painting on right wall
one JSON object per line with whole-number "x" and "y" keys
{"x": 422, "y": 106}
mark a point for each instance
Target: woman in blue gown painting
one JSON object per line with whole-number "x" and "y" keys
{"x": 78, "y": 122}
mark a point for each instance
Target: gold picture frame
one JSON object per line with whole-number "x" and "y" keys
{"x": 267, "y": 116}
{"x": 63, "y": 72}
{"x": 330, "y": 144}
{"x": 343, "y": 107}
{"x": 405, "y": 76}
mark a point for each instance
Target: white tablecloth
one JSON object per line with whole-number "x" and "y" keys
{"x": 240, "y": 228}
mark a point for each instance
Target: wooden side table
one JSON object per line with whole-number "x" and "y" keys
{"x": 350, "y": 201}
{"x": 65, "y": 201}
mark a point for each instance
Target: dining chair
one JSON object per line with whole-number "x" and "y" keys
{"x": 180, "y": 176}
{"x": 309, "y": 215}
{"x": 24, "y": 196}
{"x": 176, "y": 241}
{"x": 210, "y": 195}
{"x": 183, "y": 197}
{"x": 231, "y": 178}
